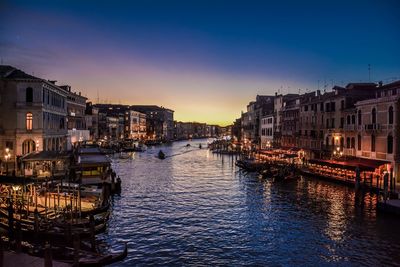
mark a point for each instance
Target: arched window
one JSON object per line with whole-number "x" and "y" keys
{"x": 28, "y": 146}
{"x": 29, "y": 95}
{"x": 373, "y": 116}
{"x": 390, "y": 144}
{"x": 391, "y": 115}
{"x": 29, "y": 119}
{"x": 348, "y": 142}
{"x": 353, "y": 142}
{"x": 341, "y": 143}
{"x": 359, "y": 117}
{"x": 353, "y": 119}
{"x": 348, "y": 119}
{"x": 359, "y": 142}
{"x": 373, "y": 141}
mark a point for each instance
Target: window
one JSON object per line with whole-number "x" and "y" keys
{"x": 342, "y": 104}
{"x": 359, "y": 117}
{"x": 359, "y": 142}
{"x": 348, "y": 142}
{"x": 373, "y": 116}
{"x": 348, "y": 119}
{"x": 341, "y": 143}
{"x": 353, "y": 119}
{"x": 333, "y": 122}
{"x": 341, "y": 122}
{"x": 373, "y": 141}
{"x": 29, "y": 121}
{"x": 391, "y": 115}
{"x": 390, "y": 144}
{"x": 353, "y": 142}
{"x": 333, "y": 106}
{"x": 29, "y": 95}
{"x": 321, "y": 107}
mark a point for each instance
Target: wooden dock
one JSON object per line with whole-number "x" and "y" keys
{"x": 22, "y": 259}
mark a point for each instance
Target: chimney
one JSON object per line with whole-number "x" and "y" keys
{"x": 318, "y": 92}
{"x": 380, "y": 84}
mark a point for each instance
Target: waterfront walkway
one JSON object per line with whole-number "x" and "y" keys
{"x": 22, "y": 259}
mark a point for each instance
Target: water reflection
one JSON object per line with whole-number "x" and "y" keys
{"x": 195, "y": 208}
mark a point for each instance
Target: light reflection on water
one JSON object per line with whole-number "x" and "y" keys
{"x": 195, "y": 208}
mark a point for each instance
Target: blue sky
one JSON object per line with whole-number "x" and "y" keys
{"x": 204, "y": 59}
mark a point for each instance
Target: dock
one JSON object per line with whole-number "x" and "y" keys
{"x": 22, "y": 259}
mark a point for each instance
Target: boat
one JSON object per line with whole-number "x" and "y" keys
{"x": 161, "y": 155}
{"x": 102, "y": 260}
{"x": 124, "y": 155}
{"x": 188, "y": 145}
{"x": 200, "y": 146}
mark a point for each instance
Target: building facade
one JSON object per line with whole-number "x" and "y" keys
{"x": 33, "y": 115}
{"x": 378, "y": 127}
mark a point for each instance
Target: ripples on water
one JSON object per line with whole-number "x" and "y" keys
{"x": 195, "y": 208}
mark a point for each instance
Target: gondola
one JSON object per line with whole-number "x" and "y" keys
{"x": 161, "y": 155}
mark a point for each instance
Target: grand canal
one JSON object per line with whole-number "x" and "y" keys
{"x": 196, "y": 208}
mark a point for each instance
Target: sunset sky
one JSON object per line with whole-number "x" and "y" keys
{"x": 204, "y": 59}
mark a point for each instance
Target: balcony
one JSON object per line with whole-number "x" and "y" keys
{"x": 372, "y": 127}
{"x": 350, "y": 127}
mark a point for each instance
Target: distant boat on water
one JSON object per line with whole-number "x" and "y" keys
{"x": 161, "y": 155}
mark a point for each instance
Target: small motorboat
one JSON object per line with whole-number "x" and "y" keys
{"x": 200, "y": 146}
{"x": 187, "y": 145}
{"x": 161, "y": 155}
{"x": 124, "y": 155}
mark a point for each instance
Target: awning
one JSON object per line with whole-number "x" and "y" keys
{"x": 351, "y": 164}
{"x": 93, "y": 160}
{"x": 46, "y": 156}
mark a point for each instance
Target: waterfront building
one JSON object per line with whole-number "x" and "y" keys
{"x": 111, "y": 121}
{"x": 267, "y": 131}
{"x": 378, "y": 127}
{"x": 159, "y": 121}
{"x": 236, "y": 130}
{"x": 226, "y": 131}
{"x": 135, "y": 125}
{"x": 279, "y": 103}
{"x": 251, "y": 120}
{"x": 33, "y": 114}
{"x": 92, "y": 120}
{"x": 289, "y": 122}
{"x": 76, "y": 121}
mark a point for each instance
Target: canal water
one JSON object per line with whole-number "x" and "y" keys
{"x": 197, "y": 208}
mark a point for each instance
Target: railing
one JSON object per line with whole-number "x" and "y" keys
{"x": 372, "y": 127}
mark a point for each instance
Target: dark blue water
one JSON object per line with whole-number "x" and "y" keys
{"x": 196, "y": 208}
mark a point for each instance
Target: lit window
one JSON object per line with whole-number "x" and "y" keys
{"x": 29, "y": 121}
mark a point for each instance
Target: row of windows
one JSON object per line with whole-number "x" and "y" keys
{"x": 374, "y": 117}
{"x": 53, "y": 121}
{"x": 53, "y": 99}
{"x": 351, "y": 120}
{"x": 266, "y": 132}
{"x": 267, "y": 121}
